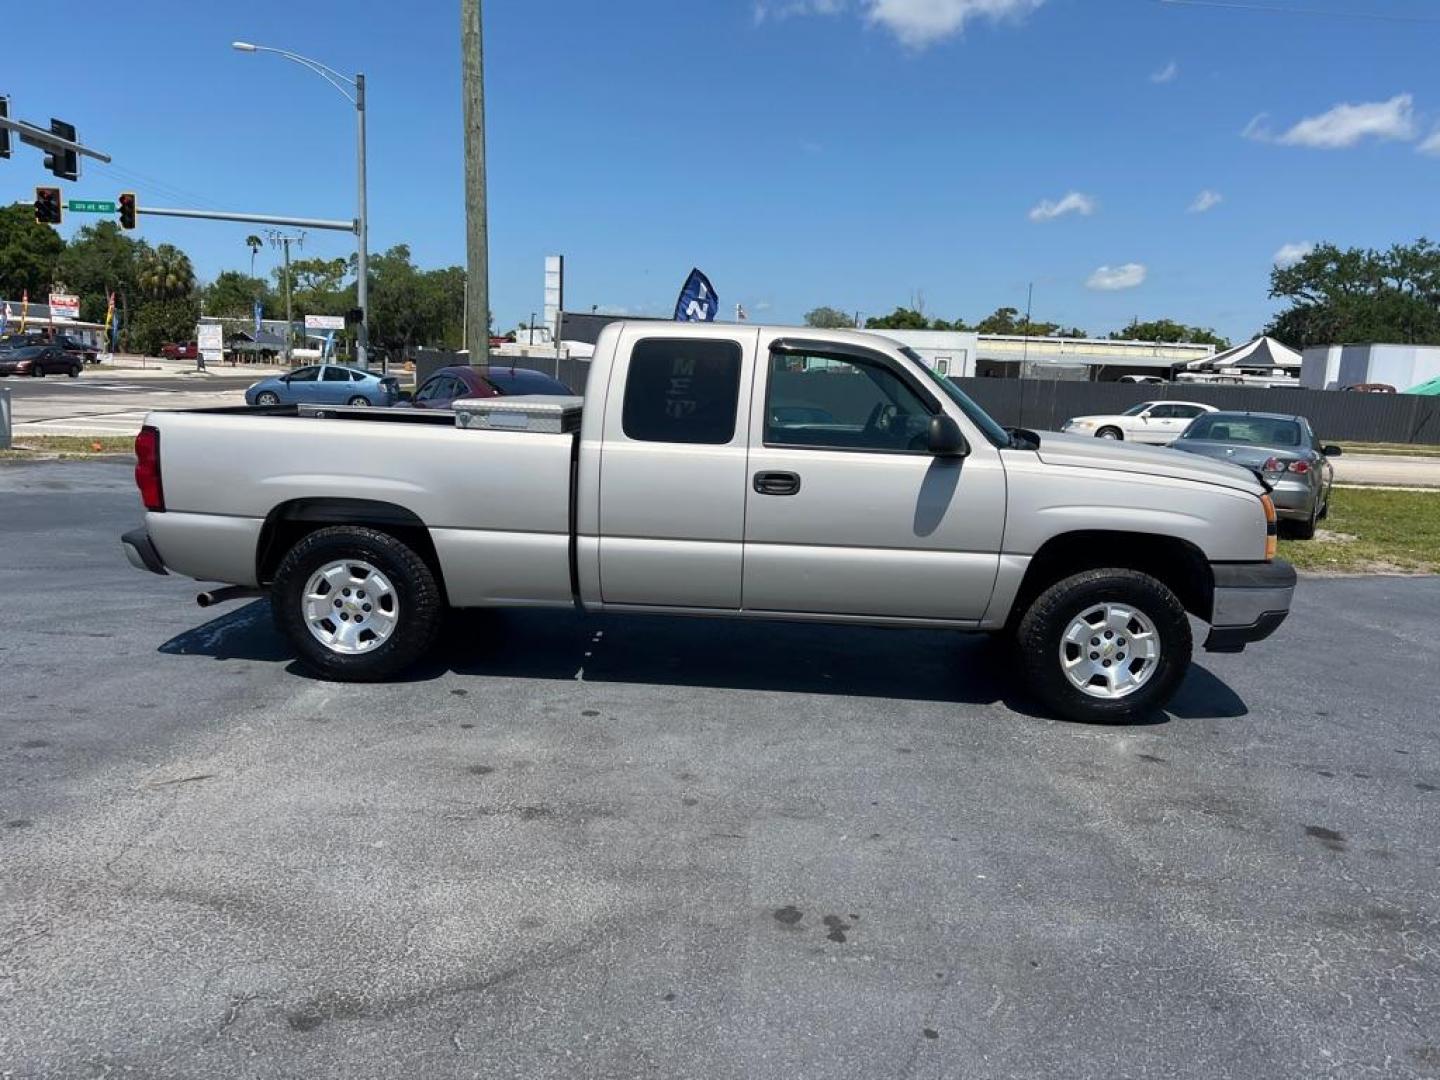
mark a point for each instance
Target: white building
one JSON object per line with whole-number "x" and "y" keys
{"x": 946, "y": 352}
{"x": 1334, "y": 367}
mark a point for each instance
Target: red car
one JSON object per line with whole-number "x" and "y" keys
{"x": 182, "y": 350}
{"x": 444, "y": 387}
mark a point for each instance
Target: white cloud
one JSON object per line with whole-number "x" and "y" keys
{"x": 918, "y": 23}
{"x": 1431, "y": 145}
{"x": 1073, "y": 203}
{"x": 1290, "y": 254}
{"x": 1113, "y": 278}
{"x": 1166, "y": 74}
{"x": 1345, "y": 125}
{"x": 1206, "y": 200}
{"x": 785, "y": 9}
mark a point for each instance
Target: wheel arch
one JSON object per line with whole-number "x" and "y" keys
{"x": 1178, "y": 564}
{"x": 290, "y": 522}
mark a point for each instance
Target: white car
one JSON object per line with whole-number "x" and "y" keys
{"x": 1148, "y": 422}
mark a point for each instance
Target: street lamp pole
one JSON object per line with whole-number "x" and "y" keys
{"x": 353, "y": 91}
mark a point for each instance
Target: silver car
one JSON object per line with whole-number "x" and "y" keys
{"x": 1280, "y": 448}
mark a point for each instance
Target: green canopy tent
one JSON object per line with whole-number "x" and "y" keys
{"x": 1430, "y": 387}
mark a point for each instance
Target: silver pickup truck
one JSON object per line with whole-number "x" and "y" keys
{"x": 730, "y": 471}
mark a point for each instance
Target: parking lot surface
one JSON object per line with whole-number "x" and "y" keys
{"x": 623, "y": 847}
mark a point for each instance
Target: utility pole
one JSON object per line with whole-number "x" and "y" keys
{"x": 284, "y": 240}
{"x": 477, "y": 241}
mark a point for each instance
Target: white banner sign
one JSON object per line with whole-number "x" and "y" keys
{"x": 324, "y": 322}
{"x": 210, "y": 337}
{"x": 64, "y": 306}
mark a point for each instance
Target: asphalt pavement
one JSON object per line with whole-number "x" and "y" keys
{"x": 631, "y": 847}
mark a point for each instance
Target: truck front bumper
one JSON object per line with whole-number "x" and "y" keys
{"x": 141, "y": 552}
{"x": 1251, "y": 601}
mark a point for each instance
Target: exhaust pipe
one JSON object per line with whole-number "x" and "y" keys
{"x": 229, "y": 592}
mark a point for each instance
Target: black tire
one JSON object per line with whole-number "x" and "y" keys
{"x": 267, "y": 398}
{"x": 1042, "y": 629}
{"x": 420, "y": 603}
{"x": 358, "y": 402}
{"x": 75, "y": 371}
{"x": 1110, "y": 433}
{"x": 37, "y": 370}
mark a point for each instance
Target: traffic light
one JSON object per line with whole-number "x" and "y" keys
{"x": 127, "y": 209}
{"x": 63, "y": 163}
{"x": 47, "y": 206}
{"x": 4, "y": 131}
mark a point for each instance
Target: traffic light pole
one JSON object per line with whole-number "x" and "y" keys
{"x": 259, "y": 219}
{"x": 38, "y": 136}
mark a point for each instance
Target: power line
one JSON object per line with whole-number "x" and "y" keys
{"x": 1280, "y": 9}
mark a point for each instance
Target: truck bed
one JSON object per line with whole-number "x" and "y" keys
{"x": 498, "y": 504}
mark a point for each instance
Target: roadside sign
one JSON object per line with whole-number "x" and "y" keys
{"x": 90, "y": 206}
{"x": 210, "y": 339}
{"x": 64, "y": 306}
{"x": 324, "y": 322}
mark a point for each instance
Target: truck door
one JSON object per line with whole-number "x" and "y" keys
{"x": 846, "y": 511}
{"x": 672, "y": 469}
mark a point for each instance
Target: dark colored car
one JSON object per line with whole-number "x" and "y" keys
{"x": 442, "y": 389}
{"x": 1280, "y": 448}
{"x": 39, "y": 360}
{"x": 86, "y": 354}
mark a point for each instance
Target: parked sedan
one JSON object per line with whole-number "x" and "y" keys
{"x": 325, "y": 384}
{"x": 1282, "y": 449}
{"x": 39, "y": 360}
{"x": 1148, "y": 422}
{"x": 442, "y": 389}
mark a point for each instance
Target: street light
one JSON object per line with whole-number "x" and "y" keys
{"x": 354, "y": 92}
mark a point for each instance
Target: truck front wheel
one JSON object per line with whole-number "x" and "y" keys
{"x": 1105, "y": 645}
{"x": 357, "y": 604}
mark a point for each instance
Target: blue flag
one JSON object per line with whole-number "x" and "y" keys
{"x": 698, "y": 301}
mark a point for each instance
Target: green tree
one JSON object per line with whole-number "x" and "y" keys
{"x": 165, "y": 272}
{"x": 159, "y": 321}
{"x": 28, "y": 253}
{"x": 100, "y": 259}
{"x": 1359, "y": 296}
{"x": 254, "y": 243}
{"x": 901, "y": 318}
{"x": 828, "y": 318}
{"x": 1166, "y": 330}
{"x": 317, "y": 286}
{"x": 232, "y": 295}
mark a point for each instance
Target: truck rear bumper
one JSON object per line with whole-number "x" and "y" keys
{"x": 141, "y": 552}
{"x": 1251, "y": 601}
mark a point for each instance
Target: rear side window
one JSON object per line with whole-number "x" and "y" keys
{"x": 336, "y": 374}
{"x": 682, "y": 391}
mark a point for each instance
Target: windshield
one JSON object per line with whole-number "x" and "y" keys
{"x": 1246, "y": 430}
{"x": 977, "y": 416}
{"x": 1136, "y": 410}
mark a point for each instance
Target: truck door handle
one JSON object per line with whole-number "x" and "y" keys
{"x": 777, "y": 483}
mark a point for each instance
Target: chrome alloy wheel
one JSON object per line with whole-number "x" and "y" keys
{"x": 1109, "y": 651}
{"x": 350, "y": 607}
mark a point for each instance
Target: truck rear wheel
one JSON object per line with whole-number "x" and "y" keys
{"x": 1105, "y": 645}
{"x": 357, "y": 604}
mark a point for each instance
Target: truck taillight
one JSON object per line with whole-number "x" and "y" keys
{"x": 147, "y": 468}
{"x": 1272, "y": 525}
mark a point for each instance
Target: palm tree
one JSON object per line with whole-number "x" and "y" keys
{"x": 166, "y": 272}
{"x": 254, "y": 243}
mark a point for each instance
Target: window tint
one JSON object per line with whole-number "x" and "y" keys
{"x": 431, "y": 389}
{"x": 682, "y": 391}
{"x": 305, "y": 374}
{"x": 1136, "y": 410}
{"x": 1187, "y": 412}
{"x": 844, "y": 404}
{"x": 1249, "y": 430}
{"x": 336, "y": 374}
{"x": 526, "y": 382}
{"x": 1164, "y": 412}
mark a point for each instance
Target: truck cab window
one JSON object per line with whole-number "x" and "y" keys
{"x": 682, "y": 391}
{"x": 840, "y": 403}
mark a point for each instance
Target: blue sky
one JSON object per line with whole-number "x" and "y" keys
{"x": 856, "y": 153}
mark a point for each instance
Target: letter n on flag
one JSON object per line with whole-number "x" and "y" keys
{"x": 698, "y": 301}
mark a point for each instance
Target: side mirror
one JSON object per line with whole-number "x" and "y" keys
{"x": 1330, "y": 451}
{"x": 946, "y": 439}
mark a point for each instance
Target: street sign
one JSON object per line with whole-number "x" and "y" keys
{"x": 64, "y": 306}
{"x": 324, "y": 322}
{"x": 90, "y": 206}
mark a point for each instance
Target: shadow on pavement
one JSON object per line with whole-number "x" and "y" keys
{"x": 906, "y": 665}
